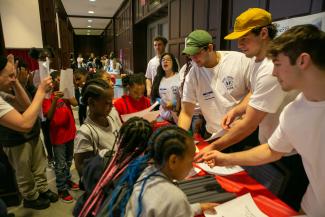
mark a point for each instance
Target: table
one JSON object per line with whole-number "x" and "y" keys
{"x": 241, "y": 183}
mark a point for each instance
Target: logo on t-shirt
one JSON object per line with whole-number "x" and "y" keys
{"x": 228, "y": 82}
{"x": 175, "y": 89}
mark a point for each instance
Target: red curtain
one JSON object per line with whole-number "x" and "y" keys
{"x": 23, "y": 53}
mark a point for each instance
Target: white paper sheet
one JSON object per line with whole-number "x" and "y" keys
{"x": 44, "y": 71}
{"x": 193, "y": 172}
{"x": 146, "y": 114}
{"x": 221, "y": 171}
{"x": 66, "y": 83}
{"x": 215, "y": 136}
{"x": 243, "y": 206}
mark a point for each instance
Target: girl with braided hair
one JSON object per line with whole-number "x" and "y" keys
{"x": 150, "y": 191}
{"x": 98, "y": 133}
{"x": 131, "y": 143}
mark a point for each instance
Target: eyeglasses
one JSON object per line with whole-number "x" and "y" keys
{"x": 166, "y": 59}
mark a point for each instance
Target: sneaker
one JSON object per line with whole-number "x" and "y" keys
{"x": 73, "y": 186}
{"x": 39, "y": 203}
{"x": 53, "y": 197}
{"x": 65, "y": 196}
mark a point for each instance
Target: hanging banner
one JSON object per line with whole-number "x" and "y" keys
{"x": 315, "y": 19}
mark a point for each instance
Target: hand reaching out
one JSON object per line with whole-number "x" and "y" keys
{"x": 208, "y": 206}
{"x": 215, "y": 158}
{"x": 228, "y": 119}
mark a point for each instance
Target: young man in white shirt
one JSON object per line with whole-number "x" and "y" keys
{"x": 217, "y": 81}
{"x": 299, "y": 63}
{"x": 261, "y": 108}
{"x": 159, "y": 44}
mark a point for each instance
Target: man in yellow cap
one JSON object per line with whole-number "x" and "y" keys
{"x": 217, "y": 81}
{"x": 254, "y": 30}
{"x": 261, "y": 108}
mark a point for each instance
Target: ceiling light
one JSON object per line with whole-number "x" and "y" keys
{"x": 90, "y": 21}
{"x": 88, "y": 26}
{"x": 88, "y": 33}
{"x": 92, "y": 0}
{"x": 91, "y": 12}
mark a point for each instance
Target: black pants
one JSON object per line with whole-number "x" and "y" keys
{"x": 82, "y": 113}
{"x": 46, "y": 132}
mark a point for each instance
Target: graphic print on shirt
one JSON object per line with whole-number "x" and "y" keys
{"x": 228, "y": 81}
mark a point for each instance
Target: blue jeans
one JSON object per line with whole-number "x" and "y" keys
{"x": 63, "y": 155}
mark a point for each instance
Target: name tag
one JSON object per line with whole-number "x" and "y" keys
{"x": 208, "y": 95}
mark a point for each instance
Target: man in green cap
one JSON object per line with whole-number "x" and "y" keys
{"x": 217, "y": 81}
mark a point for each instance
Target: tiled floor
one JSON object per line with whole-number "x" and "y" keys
{"x": 58, "y": 209}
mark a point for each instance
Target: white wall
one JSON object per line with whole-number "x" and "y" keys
{"x": 21, "y": 23}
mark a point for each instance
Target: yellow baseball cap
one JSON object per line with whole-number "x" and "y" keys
{"x": 248, "y": 20}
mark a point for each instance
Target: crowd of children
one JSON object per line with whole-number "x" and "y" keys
{"x": 229, "y": 93}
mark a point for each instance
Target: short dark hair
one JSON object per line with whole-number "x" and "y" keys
{"x": 300, "y": 39}
{"x": 130, "y": 80}
{"x": 162, "y": 39}
{"x": 271, "y": 28}
{"x": 94, "y": 89}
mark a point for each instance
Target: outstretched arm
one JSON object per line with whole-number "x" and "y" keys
{"x": 185, "y": 117}
{"x": 261, "y": 154}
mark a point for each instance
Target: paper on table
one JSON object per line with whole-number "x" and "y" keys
{"x": 193, "y": 172}
{"x": 146, "y": 113}
{"x": 241, "y": 206}
{"x": 215, "y": 135}
{"x": 221, "y": 171}
{"x": 66, "y": 83}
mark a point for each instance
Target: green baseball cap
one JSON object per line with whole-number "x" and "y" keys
{"x": 195, "y": 41}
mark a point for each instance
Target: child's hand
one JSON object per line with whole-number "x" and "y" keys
{"x": 58, "y": 94}
{"x": 208, "y": 207}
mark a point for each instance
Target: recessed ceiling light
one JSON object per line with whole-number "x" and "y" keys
{"x": 88, "y": 26}
{"x": 90, "y": 21}
{"x": 88, "y": 33}
{"x": 92, "y": 0}
{"x": 91, "y": 12}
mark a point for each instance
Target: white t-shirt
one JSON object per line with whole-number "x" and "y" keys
{"x": 218, "y": 89}
{"x": 80, "y": 61}
{"x": 301, "y": 127}
{"x": 4, "y": 107}
{"x": 168, "y": 92}
{"x": 116, "y": 70}
{"x": 92, "y": 135}
{"x": 152, "y": 68}
{"x": 267, "y": 96}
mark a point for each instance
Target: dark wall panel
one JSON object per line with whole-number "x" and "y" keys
{"x": 49, "y": 29}
{"x": 186, "y": 20}
{"x": 174, "y": 19}
{"x": 200, "y": 14}
{"x": 174, "y": 49}
{"x": 291, "y": 8}
{"x": 88, "y": 44}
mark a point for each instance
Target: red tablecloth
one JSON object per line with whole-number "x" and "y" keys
{"x": 241, "y": 183}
